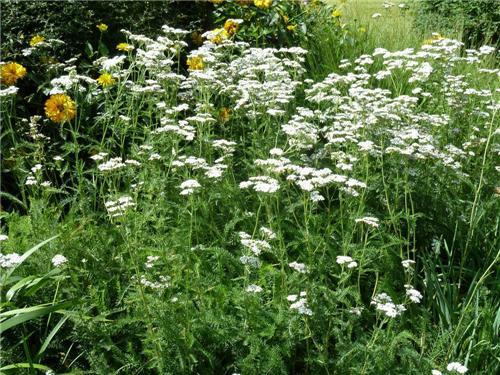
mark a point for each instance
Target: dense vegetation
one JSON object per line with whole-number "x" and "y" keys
{"x": 287, "y": 192}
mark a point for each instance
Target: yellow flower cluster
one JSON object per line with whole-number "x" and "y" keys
{"x": 195, "y": 63}
{"x": 102, "y": 27}
{"x": 106, "y": 79}
{"x": 60, "y": 108}
{"x": 37, "y": 39}
{"x": 124, "y": 47}
{"x": 11, "y": 72}
{"x": 263, "y": 4}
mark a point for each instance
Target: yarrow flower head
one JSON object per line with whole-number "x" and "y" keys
{"x": 106, "y": 79}
{"x": 299, "y": 267}
{"x": 60, "y": 108}
{"x": 10, "y": 260}
{"x": 252, "y": 288}
{"x": 189, "y": 186}
{"x": 384, "y": 304}
{"x": 37, "y": 39}
{"x": 58, "y": 260}
{"x": 369, "y": 220}
{"x": 457, "y": 367}
{"x": 12, "y": 72}
{"x": 414, "y": 295}
{"x": 344, "y": 259}
{"x": 300, "y": 303}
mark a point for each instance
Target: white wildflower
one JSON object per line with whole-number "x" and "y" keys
{"x": 58, "y": 260}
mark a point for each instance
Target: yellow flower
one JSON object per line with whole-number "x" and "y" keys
{"x": 60, "y": 108}
{"x": 435, "y": 37}
{"x": 196, "y": 63}
{"x": 285, "y": 18}
{"x": 336, "y": 13}
{"x": 106, "y": 79}
{"x": 231, "y": 26}
{"x": 11, "y": 72}
{"x": 362, "y": 29}
{"x": 217, "y": 36}
{"x": 102, "y": 27}
{"x": 263, "y": 4}
{"x": 37, "y": 39}
{"x": 291, "y": 27}
{"x": 217, "y": 1}
{"x": 124, "y": 47}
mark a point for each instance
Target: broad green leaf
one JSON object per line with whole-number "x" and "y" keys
{"x": 29, "y": 313}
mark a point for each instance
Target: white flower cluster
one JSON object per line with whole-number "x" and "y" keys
{"x": 118, "y": 207}
{"x": 457, "y": 367}
{"x": 261, "y": 184}
{"x": 10, "y": 260}
{"x": 188, "y": 187}
{"x": 213, "y": 172}
{"x": 252, "y": 288}
{"x": 250, "y": 261}
{"x": 369, "y": 220}
{"x": 255, "y": 246}
{"x": 162, "y": 283}
{"x": 414, "y": 295}
{"x": 58, "y": 260}
{"x": 344, "y": 259}
{"x": 384, "y": 304}
{"x": 150, "y": 261}
{"x": 299, "y": 267}
{"x": 299, "y": 303}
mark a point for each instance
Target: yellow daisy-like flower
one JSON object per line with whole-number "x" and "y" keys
{"x": 336, "y": 13}
{"x": 60, "y": 108}
{"x": 106, "y": 79}
{"x": 291, "y": 27}
{"x": 231, "y": 26}
{"x": 217, "y": 36}
{"x": 263, "y": 4}
{"x": 195, "y": 63}
{"x": 37, "y": 39}
{"x": 11, "y": 72}
{"x": 362, "y": 29}
{"x": 124, "y": 47}
{"x": 102, "y": 27}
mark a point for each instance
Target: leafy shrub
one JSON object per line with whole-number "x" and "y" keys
{"x": 75, "y": 22}
{"x": 479, "y": 20}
